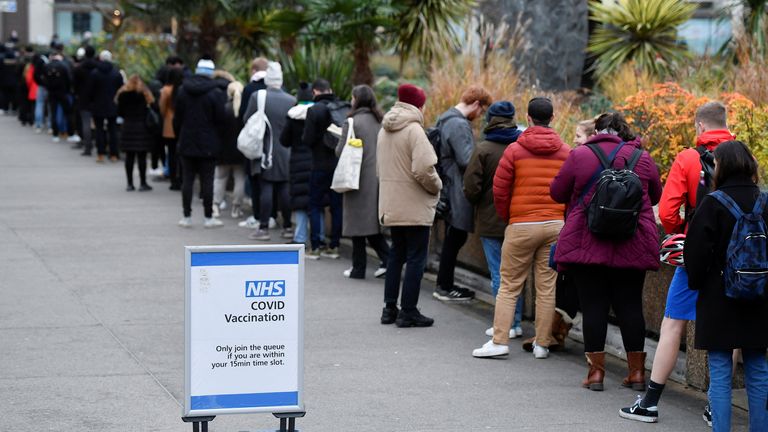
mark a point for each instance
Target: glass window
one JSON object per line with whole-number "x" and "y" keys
{"x": 81, "y": 22}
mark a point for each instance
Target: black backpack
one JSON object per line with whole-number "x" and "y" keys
{"x": 339, "y": 111}
{"x": 614, "y": 210}
{"x": 435, "y": 138}
{"x": 707, "y": 159}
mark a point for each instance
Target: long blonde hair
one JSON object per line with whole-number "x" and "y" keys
{"x": 135, "y": 84}
{"x": 235, "y": 94}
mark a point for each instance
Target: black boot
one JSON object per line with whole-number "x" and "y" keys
{"x": 412, "y": 318}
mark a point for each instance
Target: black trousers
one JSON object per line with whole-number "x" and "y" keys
{"x": 61, "y": 100}
{"x": 130, "y": 157}
{"x": 274, "y": 195}
{"x": 191, "y": 168}
{"x": 111, "y": 134}
{"x": 360, "y": 257}
{"x": 409, "y": 247}
{"x": 601, "y": 288}
{"x": 454, "y": 240}
{"x": 173, "y": 162}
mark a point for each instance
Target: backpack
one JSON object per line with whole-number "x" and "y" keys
{"x": 746, "y": 261}
{"x": 707, "y": 159}
{"x": 250, "y": 141}
{"x": 339, "y": 111}
{"x": 435, "y": 138}
{"x": 614, "y": 210}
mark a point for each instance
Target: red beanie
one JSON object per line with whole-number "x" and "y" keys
{"x": 411, "y": 94}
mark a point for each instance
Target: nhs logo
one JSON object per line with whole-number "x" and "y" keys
{"x": 268, "y": 288}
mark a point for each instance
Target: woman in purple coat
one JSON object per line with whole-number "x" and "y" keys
{"x": 608, "y": 273}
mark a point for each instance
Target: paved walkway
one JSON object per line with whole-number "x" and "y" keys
{"x": 91, "y": 326}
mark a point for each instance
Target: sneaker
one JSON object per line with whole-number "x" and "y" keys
{"x": 489, "y": 333}
{"x": 707, "y": 416}
{"x": 261, "y": 234}
{"x": 74, "y": 139}
{"x": 490, "y": 349}
{"x": 130, "y": 188}
{"x": 454, "y": 295}
{"x": 638, "y": 413}
{"x": 223, "y": 205}
{"x": 212, "y": 222}
{"x": 100, "y": 159}
{"x": 518, "y": 332}
{"x": 114, "y": 158}
{"x": 389, "y": 315}
{"x": 413, "y": 319}
{"x": 185, "y": 222}
{"x": 145, "y": 188}
{"x": 272, "y": 223}
{"x": 237, "y": 212}
{"x": 332, "y": 253}
{"x": 348, "y": 274}
{"x": 215, "y": 210}
{"x": 540, "y": 352}
{"x": 251, "y": 223}
{"x": 56, "y": 139}
{"x": 287, "y": 233}
{"x": 314, "y": 254}
{"x": 381, "y": 271}
{"x": 38, "y": 130}
{"x": 85, "y": 153}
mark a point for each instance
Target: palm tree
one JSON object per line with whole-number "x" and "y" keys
{"x": 639, "y": 31}
{"x": 750, "y": 22}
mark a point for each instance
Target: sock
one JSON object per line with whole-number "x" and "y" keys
{"x": 653, "y": 395}
{"x": 391, "y": 305}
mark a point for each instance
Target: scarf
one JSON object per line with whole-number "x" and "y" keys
{"x": 503, "y": 135}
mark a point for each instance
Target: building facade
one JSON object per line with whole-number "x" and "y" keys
{"x": 37, "y": 21}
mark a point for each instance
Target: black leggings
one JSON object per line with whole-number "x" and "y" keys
{"x": 452, "y": 243}
{"x": 359, "y": 256}
{"x": 274, "y": 195}
{"x": 601, "y": 288}
{"x": 130, "y": 156}
{"x": 192, "y": 167}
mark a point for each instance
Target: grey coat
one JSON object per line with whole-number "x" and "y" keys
{"x": 277, "y": 105}
{"x": 456, "y": 150}
{"x": 361, "y": 207}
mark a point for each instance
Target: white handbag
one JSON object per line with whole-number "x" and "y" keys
{"x": 346, "y": 177}
{"x": 250, "y": 141}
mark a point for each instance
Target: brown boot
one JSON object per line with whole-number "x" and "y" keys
{"x": 636, "y": 376}
{"x": 528, "y": 344}
{"x": 594, "y": 380}
{"x": 560, "y": 330}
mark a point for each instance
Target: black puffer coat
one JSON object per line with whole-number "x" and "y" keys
{"x": 198, "y": 117}
{"x": 230, "y": 155}
{"x": 134, "y": 136}
{"x": 301, "y": 157}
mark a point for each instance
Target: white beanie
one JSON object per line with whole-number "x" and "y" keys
{"x": 105, "y": 56}
{"x": 205, "y": 67}
{"x": 274, "y": 76}
{"x": 80, "y": 53}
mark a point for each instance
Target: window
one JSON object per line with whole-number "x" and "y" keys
{"x": 81, "y": 22}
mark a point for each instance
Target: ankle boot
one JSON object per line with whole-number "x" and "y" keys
{"x": 636, "y": 376}
{"x": 594, "y": 380}
{"x": 560, "y": 329}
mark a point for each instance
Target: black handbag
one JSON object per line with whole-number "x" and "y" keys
{"x": 152, "y": 121}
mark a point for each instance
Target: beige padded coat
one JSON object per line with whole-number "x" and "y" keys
{"x": 408, "y": 182}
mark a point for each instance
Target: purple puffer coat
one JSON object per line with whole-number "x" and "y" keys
{"x": 577, "y": 245}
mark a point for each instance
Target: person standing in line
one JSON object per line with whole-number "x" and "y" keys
{"x": 59, "y": 85}
{"x": 519, "y": 194}
{"x": 197, "y": 122}
{"x": 456, "y": 143}
{"x": 609, "y": 273}
{"x": 682, "y": 190}
{"x": 274, "y": 166}
{"x": 256, "y": 83}
{"x": 167, "y": 107}
{"x": 361, "y": 217}
{"x": 500, "y": 131}
{"x": 300, "y": 164}
{"x": 230, "y": 160}
{"x": 724, "y": 323}
{"x": 40, "y": 62}
{"x": 104, "y": 82}
{"x": 82, "y": 76}
{"x": 408, "y": 192}
{"x": 319, "y": 117}
{"x": 133, "y": 102}
{"x": 31, "y": 86}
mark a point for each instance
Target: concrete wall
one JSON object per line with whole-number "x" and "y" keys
{"x": 41, "y": 21}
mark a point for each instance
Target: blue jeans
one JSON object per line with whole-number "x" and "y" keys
{"x": 40, "y": 104}
{"x": 756, "y": 379}
{"x": 302, "y": 226}
{"x": 492, "y": 251}
{"x": 319, "y": 189}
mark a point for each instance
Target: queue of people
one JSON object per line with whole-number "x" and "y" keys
{"x": 579, "y": 219}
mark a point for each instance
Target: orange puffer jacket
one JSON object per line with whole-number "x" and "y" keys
{"x": 521, "y": 183}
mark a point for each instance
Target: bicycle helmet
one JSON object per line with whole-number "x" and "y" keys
{"x": 671, "y": 252}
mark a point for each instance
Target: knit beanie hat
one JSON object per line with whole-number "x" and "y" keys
{"x": 304, "y": 94}
{"x": 105, "y": 56}
{"x": 501, "y": 109}
{"x": 274, "y": 77}
{"x": 205, "y": 67}
{"x": 411, "y": 94}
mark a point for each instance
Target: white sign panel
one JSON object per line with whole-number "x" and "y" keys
{"x": 244, "y": 328}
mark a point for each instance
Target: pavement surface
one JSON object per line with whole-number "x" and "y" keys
{"x": 92, "y": 319}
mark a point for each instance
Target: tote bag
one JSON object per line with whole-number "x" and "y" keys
{"x": 346, "y": 177}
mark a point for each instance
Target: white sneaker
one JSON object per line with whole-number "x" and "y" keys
{"x": 272, "y": 223}
{"x": 518, "y": 331}
{"x": 185, "y": 222}
{"x": 540, "y": 352}
{"x": 74, "y": 138}
{"x": 489, "y": 333}
{"x": 251, "y": 223}
{"x": 212, "y": 223}
{"x": 223, "y": 205}
{"x": 347, "y": 272}
{"x": 215, "y": 210}
{"x": 56, "y": 139}
{"x": 237, "y": 213}
{"x": 381, "y": 271}
{"x": 490, "y": 349}
{"x": 38, "y": 130}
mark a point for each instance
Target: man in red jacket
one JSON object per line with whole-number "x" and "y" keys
{"x": 521, "y": 196}
{"x": 680, "y": 192}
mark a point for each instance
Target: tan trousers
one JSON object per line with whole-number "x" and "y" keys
{"x": 526, "y": 245}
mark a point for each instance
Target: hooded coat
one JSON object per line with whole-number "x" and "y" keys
{"x": 300, "y": 165}
{"x": 408, "y": 182}
{"x": 277, "y": 105}
{"x": 478, "y": 177}
{"x": 103, "y": 85}
{"x": 361, "y": 206}
{"x": 81, "y": 81}
{"x": 457, "y": 143}
{"x": 198, "y": 117}
{"x": 577, "y": 244}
